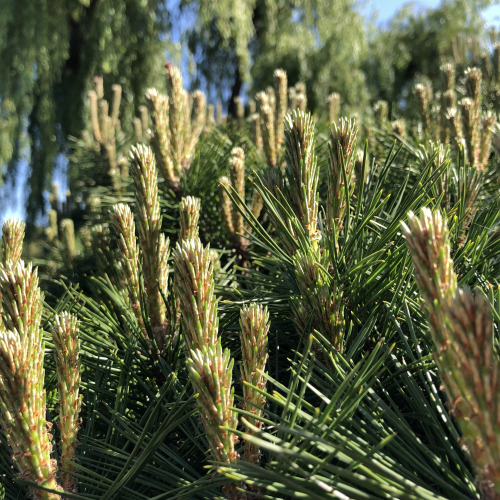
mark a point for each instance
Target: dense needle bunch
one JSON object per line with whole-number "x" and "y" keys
{"x": 320, "y": 305}
{"x": 333, "y": 107}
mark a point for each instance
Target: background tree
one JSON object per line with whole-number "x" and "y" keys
{"x": 329, "y": 49}
{"x": 416, "y": 43}
{"x": 244, "y": 42}
{"x": 49, "y": 50}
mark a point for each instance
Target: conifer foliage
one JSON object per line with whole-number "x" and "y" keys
{"x": 325, "y": 343}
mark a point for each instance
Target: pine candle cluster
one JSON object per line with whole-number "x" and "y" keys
{"x": 22, "y": 375}
{"x": 314, "y": 248}
{"x": 232, "y": 211}
{"x": 178, "y": 120}
{"x": 461, "y": 328}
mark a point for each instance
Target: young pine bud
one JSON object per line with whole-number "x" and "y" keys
{"x": 67, "y": 348}
{"x": 252, "y": 107}
{"x": 160, "y": 136}
{"x": 473, "y": 79}
{"x": 12, "y": 241}
{"x": 227, "y": 204}
{"x": 428, "y": 241}
{"x": 103, "y": 109}
{"x": 448, "y": 77}
{"x": 22, "y": 395}
{"x": 381, "y": 110}
{"x": 194, "y": 287}
{"x": 117, "y": 97}
{"x": 211, "y": 373}
{"x": 268, "y": 134}
{"x": 257, "y": 133}
{"x": 254, "y": 328}
{"x": 139, "y": 133}
{"x": 470, "y": 123}
{"x": 454, "y": 121}
{"x": 237, "y": 173}
{"x": 68, "y": 238}
{"x": 281, "y": 92}
{"x": 300, "y": 88}
{"x": 143, "y": 116}
{"x": 153, "y": 244}
{"x": 301, "y": 101}
{"x": 239, "y": 109}
{"x": 343, "y": 138}
{"x": 333, "y": 105}
{"x": 423, "y": 103}
{"x": 177, "y": 103}
{"x": 94, "y": 119}
{"x": 302, "y": 170}
{"x": 257, "y": 204}
{"x": 471, "y": 380}
{"x": 52, "y": 230}
{"x": 199, "y": 119}
{"x": 189, "y": 208}
{"x": 487, "y": 124}
{"x": 123, "y": 222}
{"x": 496, "y": 62}
{"x": 449, "y": 99}
{"x": 99, "y": 86}
{"x": 461, "y": 328}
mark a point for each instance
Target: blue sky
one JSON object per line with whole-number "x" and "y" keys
{"x": 387, "y": 8}
{"x": 384, "y": 9}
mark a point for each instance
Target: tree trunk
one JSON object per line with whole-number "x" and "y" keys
{"x": 258, "y": 27}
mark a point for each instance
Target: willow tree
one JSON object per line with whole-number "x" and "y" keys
{"x": 243, "y": 42}
{"x": 416, "y": 42}
{"x": 49, "y": 50}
